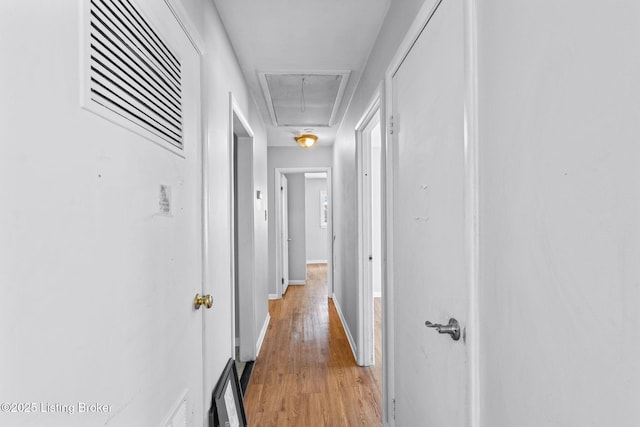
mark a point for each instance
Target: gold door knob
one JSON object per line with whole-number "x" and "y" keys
{"x": 206, "y": 300}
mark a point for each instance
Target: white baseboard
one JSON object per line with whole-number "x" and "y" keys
{"x": 352, "y": 342}
{"x": 263, "y": 333}
{"x": 316, "y": 261}
{"x": 297, "y": 282}
{"x": 377, "y": 294}
{"x": 274, "y": 296}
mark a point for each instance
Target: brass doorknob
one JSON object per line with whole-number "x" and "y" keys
{"x": 206, "y": 300}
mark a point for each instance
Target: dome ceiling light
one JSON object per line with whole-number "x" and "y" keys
{"x": 306, "y": 140}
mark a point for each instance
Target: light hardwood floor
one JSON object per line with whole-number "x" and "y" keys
{"x": 306, "y": 374}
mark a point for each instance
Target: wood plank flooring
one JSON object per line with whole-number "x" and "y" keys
{"x": 306, "y": 374}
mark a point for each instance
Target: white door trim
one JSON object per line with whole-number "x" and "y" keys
{"x": 470, "y": 195}
{"x": 283, "y": 224}
{"x": 365, "y": 292}
{"x": 187, "y": 24}
{"x": 472, "y": 209}
{"x": 248, "y": 334}
{"x": 278, "y": 221}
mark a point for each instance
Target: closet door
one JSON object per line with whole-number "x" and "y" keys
{"x": 427, "y": 239}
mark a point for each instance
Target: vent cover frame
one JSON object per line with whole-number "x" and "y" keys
{"x": 154, "y": 97}
{"x": 344, "y": 79}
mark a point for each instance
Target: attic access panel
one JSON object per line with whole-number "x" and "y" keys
{"x": 303, "y": 99}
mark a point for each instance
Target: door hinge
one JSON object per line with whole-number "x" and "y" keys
{"x": 390, "y": 125}
{"x": 281, "y": 188}
{"x": 393, "y": 408}
{"x": 283, "y": 280}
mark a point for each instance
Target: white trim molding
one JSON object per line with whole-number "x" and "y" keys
{"x": 372, "y": 115}
{"x": 189, "y": 28}
{"x": 297, "y": 282}
{"x": 472, "y": 211}
{"x": 247, "y": 334}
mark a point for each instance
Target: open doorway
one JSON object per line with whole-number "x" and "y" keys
{"x": 296, "y": 245}
{"x": 242, "y": 239}
{"x": 370, "y": 253}
{"x": 304, "y": 227}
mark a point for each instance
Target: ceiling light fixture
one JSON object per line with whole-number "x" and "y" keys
{"x": 306, "y": 140}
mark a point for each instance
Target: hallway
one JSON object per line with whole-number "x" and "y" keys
{"x": 142, "y": 235}
{"x": 306, "y": 374}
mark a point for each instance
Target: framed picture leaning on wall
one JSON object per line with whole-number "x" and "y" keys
{"x": 227, "y": 408}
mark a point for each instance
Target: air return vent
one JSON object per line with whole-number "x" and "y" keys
{"x": 309, "y": 98}
{"x": 132, "y": 72}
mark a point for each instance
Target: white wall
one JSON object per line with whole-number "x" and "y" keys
{"x": 297, "y": 244}
{"x": 399, "y": 16}
{"x": 316, "y": 236}
{"x": 560, "y": 214}
{"x": 71, "y": 300}
{"x": 289, "y": 157}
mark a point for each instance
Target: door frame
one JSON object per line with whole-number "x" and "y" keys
{"x": 471, "y": 189}
{"x": 366, "y": 345}
{"x": 279, "y": 172}
{"x": 248, "y": 336}
{"x": 284, "y": 225}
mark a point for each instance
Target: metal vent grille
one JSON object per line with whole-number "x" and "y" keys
{"x": 133, "y": 72}
{"x": 309, "y": 98}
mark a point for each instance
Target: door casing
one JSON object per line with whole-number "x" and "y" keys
{"x": 279, "y": 172}
{"x": 284, "y": 233}
{"x": 239, "y": 125}
{"x": 372, "y": 114}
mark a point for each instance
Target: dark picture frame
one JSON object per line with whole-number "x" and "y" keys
{"x": 227, "y": 407}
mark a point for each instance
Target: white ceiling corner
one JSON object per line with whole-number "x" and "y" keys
{"x": 314, "y": 37}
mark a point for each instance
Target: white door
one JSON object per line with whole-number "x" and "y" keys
{"x": 101, "y": 244}
{"x": 285, "y": 233}
{"x": 428, "y": 226}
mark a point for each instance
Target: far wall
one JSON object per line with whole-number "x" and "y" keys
{"x": 288, "y": 157}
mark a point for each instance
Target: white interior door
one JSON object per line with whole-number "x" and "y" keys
{"x": 285, "y": 233}
{"x": 182, "y": 239}
{"x": 110, "y": 247}
{"x": 428, "y": 226}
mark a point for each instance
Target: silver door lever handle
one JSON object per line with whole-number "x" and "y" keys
{"x": 453, "y": 328}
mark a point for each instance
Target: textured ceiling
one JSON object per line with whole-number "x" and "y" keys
{"x": 310, "y": 37}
